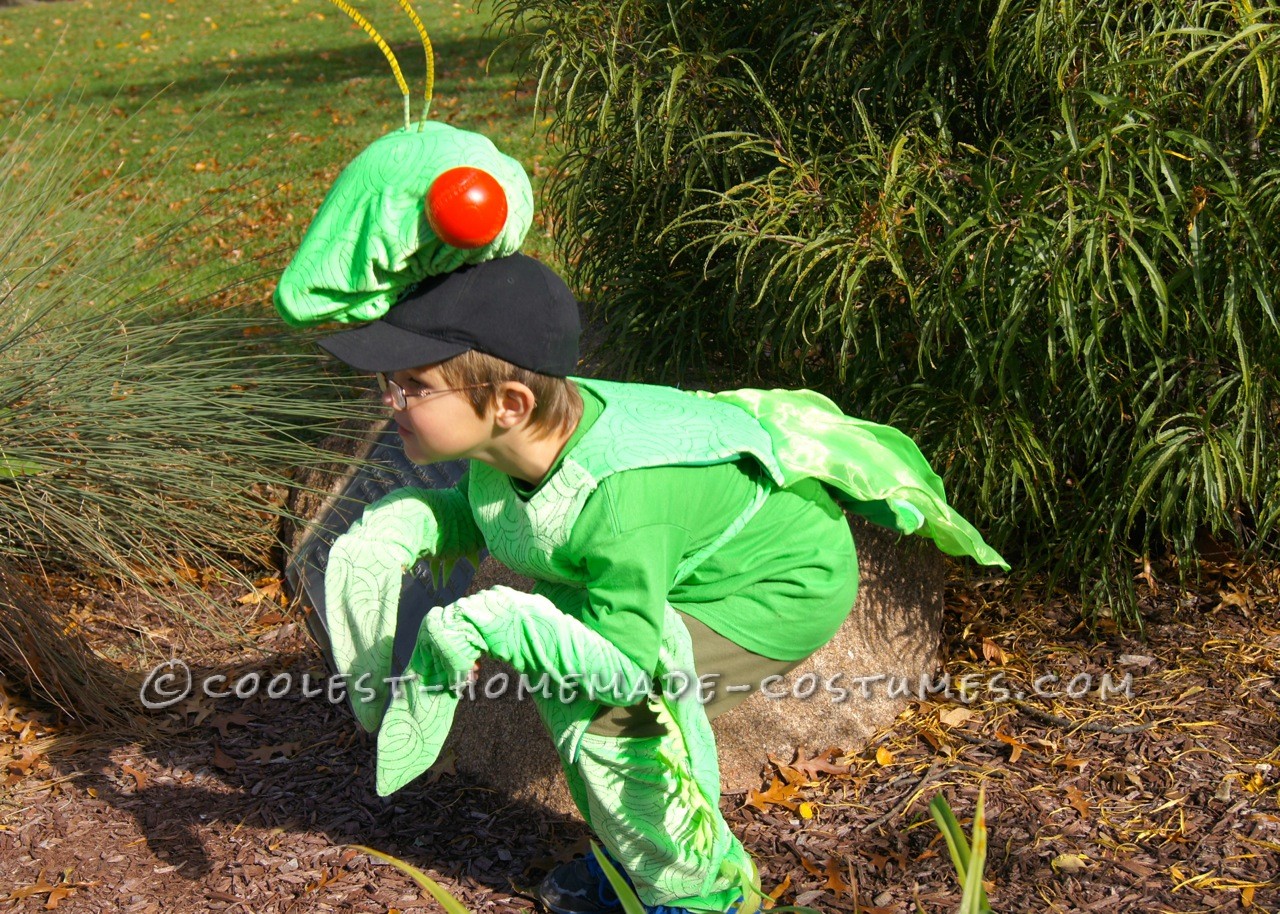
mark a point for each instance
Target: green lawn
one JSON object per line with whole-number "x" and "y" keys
{"x": 270, "y": 98}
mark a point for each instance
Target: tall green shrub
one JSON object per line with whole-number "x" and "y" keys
{"x": 1039, "y": 236}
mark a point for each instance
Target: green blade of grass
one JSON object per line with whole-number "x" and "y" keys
{"x": 631, "y": 903}
{"x": 447, "y": 901}
{"x": 974, "y": 899}
{"x": 953, "y": 834}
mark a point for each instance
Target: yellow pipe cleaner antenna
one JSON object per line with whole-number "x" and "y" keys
{"x": 431, "y": 60}
{"x": 382, "y": 46}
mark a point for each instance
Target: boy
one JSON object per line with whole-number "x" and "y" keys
{"x": 671, "y": 535}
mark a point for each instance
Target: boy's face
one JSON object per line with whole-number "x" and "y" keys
{"x": 438, "y": 423}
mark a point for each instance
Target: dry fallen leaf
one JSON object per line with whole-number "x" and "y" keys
{"x": 789, "y": 774}
{"x": 266, "y": 589}
{"x": 1078, "y": 800}
{"x": 446, "y": 764}
{"x": 1070, "y": 761}
{"x": 1135, "y": 660}
{"x": 56, "y": 896}
{"x": 265, "y": 753}
{"x": 199, "y": 705}
{"x": 822, "y": 763}
{"x": 810, "y": 867}
{"x": 955, "y": 717}
{"x": 222, "y": 721}
{"x": 55, "y": 893}
{"x": 139, "y": 777}
{"x": 779, "y": 794}
{"x": 835, "y": 880}
{"x": 23, "y": 760}
{"x": 884, "y": 757}
{"x": 222, "y": 760}
{"x": 994, "y": 652}
{"x": 40, "y": 887}
{"x": 1069, "y": 863}
{"x": 1239, "y": 600}
{"x": 1016, "y": 748}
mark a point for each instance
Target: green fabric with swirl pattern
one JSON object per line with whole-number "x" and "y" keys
{"x": 371, "y": 240}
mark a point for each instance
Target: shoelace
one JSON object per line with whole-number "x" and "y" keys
{"x": 604, "y": 890}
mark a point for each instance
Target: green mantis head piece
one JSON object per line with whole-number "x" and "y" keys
{"x": 390, "y": 220}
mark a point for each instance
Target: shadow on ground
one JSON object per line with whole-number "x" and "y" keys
{"x": 320, "y": 74}
{"x": 254, "y": 800}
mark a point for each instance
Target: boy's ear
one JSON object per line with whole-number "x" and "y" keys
{"x": 513, "y": 404}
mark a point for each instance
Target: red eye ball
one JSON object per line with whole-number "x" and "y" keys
{"x": 466, "y": 207}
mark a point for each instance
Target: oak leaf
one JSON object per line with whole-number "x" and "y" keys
{"x": 222, "y": 721}
{"x": 824, "y": 762}
{"x": 265, "y": 753}
{"x": 779, "y": 794}
{"x": 835, "y": 880}
{"x": 139, "y": 777}
{"x": 222, "y": 760}
{"x": 1016, "y": 748}
{"x": 23, "y": 760}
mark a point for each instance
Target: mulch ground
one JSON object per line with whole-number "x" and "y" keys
{"x": 1158, "y": 796}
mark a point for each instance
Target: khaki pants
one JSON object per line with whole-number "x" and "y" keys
{"x": 732, "y": 666}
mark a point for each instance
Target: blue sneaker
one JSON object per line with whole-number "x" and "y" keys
{"x": 581, "y": 887}
{"x": 578, "y": 887}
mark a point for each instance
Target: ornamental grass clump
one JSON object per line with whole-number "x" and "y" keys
{"x": 1037, "y": 236}
{"x": 149, "y": 425}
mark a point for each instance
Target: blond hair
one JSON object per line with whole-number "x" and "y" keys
{"x": 558, "y": 405}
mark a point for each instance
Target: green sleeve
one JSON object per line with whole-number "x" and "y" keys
{"x": 364, "y": 574}
{"x": 423, "y": 522}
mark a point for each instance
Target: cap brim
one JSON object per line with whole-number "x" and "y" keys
{"x": 381, "y": 347}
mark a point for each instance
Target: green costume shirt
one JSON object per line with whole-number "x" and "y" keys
{"x": 780, "y": 587}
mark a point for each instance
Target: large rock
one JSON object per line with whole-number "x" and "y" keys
{"x": 891, "y": 636}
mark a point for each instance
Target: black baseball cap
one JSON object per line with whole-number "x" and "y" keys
{"x": 514, "y": 308}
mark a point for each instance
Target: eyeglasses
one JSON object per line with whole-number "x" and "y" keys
{"x": 400, "y": 397}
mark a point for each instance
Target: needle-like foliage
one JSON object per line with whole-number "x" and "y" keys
{"x": 1037, "y": 235}
{"x": 149, "y": 425}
